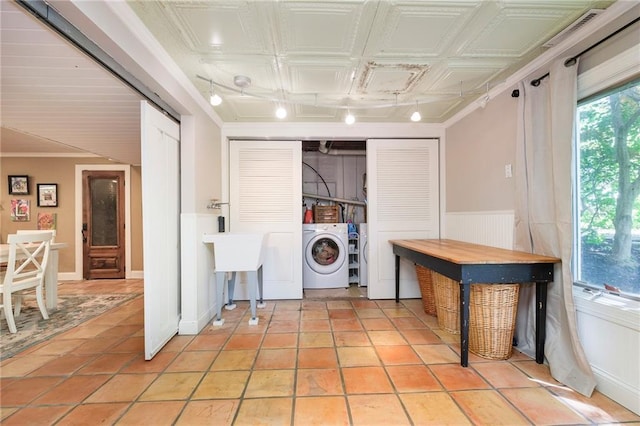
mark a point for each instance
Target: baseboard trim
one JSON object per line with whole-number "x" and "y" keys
{"x": 75, "y": 276}
{"x": 620, "y": 392}
{"x": 136, "y": 275}
{"x": 192, "y": 328}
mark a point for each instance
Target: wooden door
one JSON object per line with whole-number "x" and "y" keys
{"x": 103, "y": 224}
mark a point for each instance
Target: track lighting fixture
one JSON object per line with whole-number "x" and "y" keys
{"x": 485, "y": 99}
{"x": 214, "y": 99}
{"x": 242, "y": 83}
{"x": 281, "y": 112}
{"x": 349, "y": 119}
{"x": 416, "y": 114}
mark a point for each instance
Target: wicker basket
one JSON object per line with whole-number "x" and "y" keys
{"x": 492, "y": 319}
{"x": 426, "y": 289}
{"x": 325, "y": 214}
{"x": 447, "y": 295}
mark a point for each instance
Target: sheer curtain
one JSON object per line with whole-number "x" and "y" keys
{"x": 544, "y": 217}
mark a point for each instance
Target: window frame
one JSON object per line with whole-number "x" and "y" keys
{"x": 607, "y": 76}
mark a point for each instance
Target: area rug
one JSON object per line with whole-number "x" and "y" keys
{"x": 72, "y": 311}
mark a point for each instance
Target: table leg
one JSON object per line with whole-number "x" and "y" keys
{"x": 465, "y": 290}
{"x": 221, "y": 282}
{"x": 541, "y": 319}
{"x": 252, "y": 278}
{"x": 397, "y": 279}
{"x": 261, "y": 303}
{"x": 231, "y": 288}
{"x": 51, "y": 281}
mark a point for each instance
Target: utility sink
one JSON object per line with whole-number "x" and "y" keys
{"x": 235, "y": 252}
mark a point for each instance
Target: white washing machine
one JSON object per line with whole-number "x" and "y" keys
{"x": 326, "y": 255}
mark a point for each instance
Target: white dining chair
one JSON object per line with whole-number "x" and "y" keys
{"x": 26, "y": 266}
{"x": 18, "y": 301}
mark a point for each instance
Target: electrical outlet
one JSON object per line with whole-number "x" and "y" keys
{"x": 508, "y": 172}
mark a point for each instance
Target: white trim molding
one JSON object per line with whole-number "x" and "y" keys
{"x": 622, "y": 67}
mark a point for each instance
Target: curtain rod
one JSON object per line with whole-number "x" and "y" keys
{"x": 572, "y": 61}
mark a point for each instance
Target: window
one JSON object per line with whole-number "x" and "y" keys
{"x": 608, "y": 191}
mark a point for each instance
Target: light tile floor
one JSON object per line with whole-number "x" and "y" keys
{"x": 335, "y": 362}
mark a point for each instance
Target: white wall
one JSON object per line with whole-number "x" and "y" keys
{"x": 200, "y": 175}
{"x": 479, "y": 146}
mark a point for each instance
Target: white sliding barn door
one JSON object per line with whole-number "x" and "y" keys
{"x": 403, "y": 202}
{"x": 265, "y": 179}
{"x": 161, "y": 227}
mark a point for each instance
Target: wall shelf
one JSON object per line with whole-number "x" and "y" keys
{"x": 354, "y": 258}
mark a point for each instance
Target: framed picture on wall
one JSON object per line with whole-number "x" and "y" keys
{"x": 18, "y": 185}
{"x": 20, "y": 211}
{"x": 47, "y": 220}
{"x": 47, "y": 195}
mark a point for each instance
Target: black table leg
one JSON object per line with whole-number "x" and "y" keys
{"x": 465, "y": 290}
{"x": 541, "y": 319}
{"x": 397, "y": 279}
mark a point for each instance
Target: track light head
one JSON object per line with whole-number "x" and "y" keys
{"x": 214, "y": 99}
{"x": 416, "y": 114}
{"x": 281, "y": 112}
{"x": 349, "y": 119}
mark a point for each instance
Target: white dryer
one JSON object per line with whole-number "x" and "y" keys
{"x": 326, "y": 255}
{"x": 364, "y": 254}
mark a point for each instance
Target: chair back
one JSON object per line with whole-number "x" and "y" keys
{"x": 27, "y": 261}
{"x": 35, "y": 231}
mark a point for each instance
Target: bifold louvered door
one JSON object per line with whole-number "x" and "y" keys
{"x": 403, "y": 202}
{"x": 265, "y": 182}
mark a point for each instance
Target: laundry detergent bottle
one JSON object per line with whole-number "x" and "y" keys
{"x": 308, "y": 216}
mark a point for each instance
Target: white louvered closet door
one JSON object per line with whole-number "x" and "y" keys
{"x": 403, "y": 202}
{"x": 265, "y": 179}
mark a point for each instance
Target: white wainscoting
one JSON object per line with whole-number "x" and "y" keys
{"x": 609, "y": 329}
{"x": 490, "y": 228}
{"x": 198, "y": 285}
